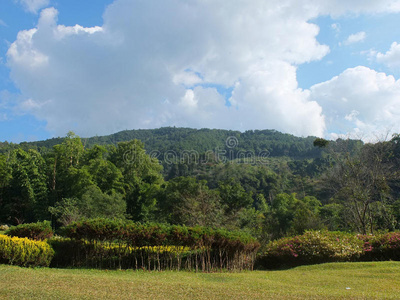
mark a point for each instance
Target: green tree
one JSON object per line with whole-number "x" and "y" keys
{"x": 93, "y": 204}
{"x": 306, "y": 216}
{"x": 26, "y": 197}
{"x": 66, "y": 211}
{"x": 184, "y": 200}
{"x": 103, "y": 172}
{"x": 359, "y": 180}
{"x": 142, "y": 178}
{"x": 234, "y": 196}
{"x": 67, "y": 177}
{"x": 96, "y": 204}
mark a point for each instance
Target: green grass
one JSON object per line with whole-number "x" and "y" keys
{"x": 376, "y": 280}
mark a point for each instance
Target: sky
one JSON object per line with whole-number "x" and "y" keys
{"x": 326, "y": 68}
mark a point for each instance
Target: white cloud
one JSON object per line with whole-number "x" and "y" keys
{"x": 391, "y": 58}
{"x": 340, "y": 7}
{"x": 359, "y": 101}
{"x": 33, "y": 6}
{"x": 270, "y": 98}
{"x": 187, "y": 78}
{"x": 355, "y": 38}
{"x": 156, "y": 64}
{"x": 2, "y": 23}
{"x": 336, "y": 28}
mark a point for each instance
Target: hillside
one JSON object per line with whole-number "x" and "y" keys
{"x": 272, "y": 142}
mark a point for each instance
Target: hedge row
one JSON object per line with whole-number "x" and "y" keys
{"x": 25, "y": 252}
{"x": 102, "y": 243}
{"x": 128, "y": 244}
{"x": 36, "y": 231}
{"x": 80, "y": 253}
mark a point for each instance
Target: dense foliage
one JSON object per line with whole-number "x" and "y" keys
{"x": 36, "y": 231}
{"x": 384, "y": 246}
{"x": 302, "y": 184}
{"x": 25, "y": 252}
{"x": 310, "y": 248}
{"x": 125, "y": 244}
{"x": 327, "y": 246}
{"x": 177, "y": 140}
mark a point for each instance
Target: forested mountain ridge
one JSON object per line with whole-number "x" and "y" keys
{"x": 200, "y": 140}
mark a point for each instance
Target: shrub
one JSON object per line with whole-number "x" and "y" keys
{"x": 25, "y": 252}
{"x": 36, "y": 231}
{"x": 310, "y": 248}
{"x": 4, "y": 227}
{"x": 384, "y": 246}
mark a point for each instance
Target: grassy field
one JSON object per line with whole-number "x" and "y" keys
{"x": 377, "y": 280}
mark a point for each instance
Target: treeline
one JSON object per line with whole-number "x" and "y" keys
{"x": 178, "y": 140}
{"x": 348, "y": 186}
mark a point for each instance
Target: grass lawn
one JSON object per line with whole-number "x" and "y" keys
{"x": 376, "y": 280}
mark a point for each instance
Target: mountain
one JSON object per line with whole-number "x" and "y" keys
{"x": 179, "y": 140}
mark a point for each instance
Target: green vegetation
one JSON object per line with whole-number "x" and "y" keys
{"x": 24, "y": 252}
{"x": 375, "y": 280}
{"x": 104, "y": 243}
{"x": 203, "y": 199}
{"x": 311, "y": 248}
{"x": 36, "y": 231}
{"x": 178, "y": 140}
{"x": 342, "y": 185}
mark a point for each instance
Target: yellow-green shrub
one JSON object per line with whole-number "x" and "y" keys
{"x": 24, "y": 252}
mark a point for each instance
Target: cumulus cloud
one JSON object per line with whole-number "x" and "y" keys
{"x": 391, "y": 58}
{"x": 33, "y": 6}
{"x": 336, "y": 8}
{"x": 155, "y": 64}
{"x": 360, "y": 101}
{"x": 355, "y": 38}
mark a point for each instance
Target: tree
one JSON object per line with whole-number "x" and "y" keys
{"x": 103, "y": 172}
{"x": 67, "y": 177}
{"x": 142, "y": 178}
{"x": 306, "y": 216}
{"x": 320, "y": 143}
{"x": 234, "y": 196}
{"x": 290, "y": 215}
{"x": 25, "y": 195}
{"x": 66, "y": 211}
{"x": 96, "y": 204}
{"x": 184, "y": 200}
{"x": 359, "y": 180}
{"x": 93, "y": 204}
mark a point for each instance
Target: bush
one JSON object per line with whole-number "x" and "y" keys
{"x": 25, "y": 252}
{"x": 311, "y": 248}
{"x": 4, "y": 227}
{"x": 384, "y": 246}
{"x": 36, "y": 231}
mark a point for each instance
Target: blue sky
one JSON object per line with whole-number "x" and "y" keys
{"x": 323, "y": 68}
{"x": 381, "y": 30}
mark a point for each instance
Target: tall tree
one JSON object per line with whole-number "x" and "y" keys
{"x": 26, "y": 197}
{"x": 359, "y": 180}
{"x": 142, "y": 178}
